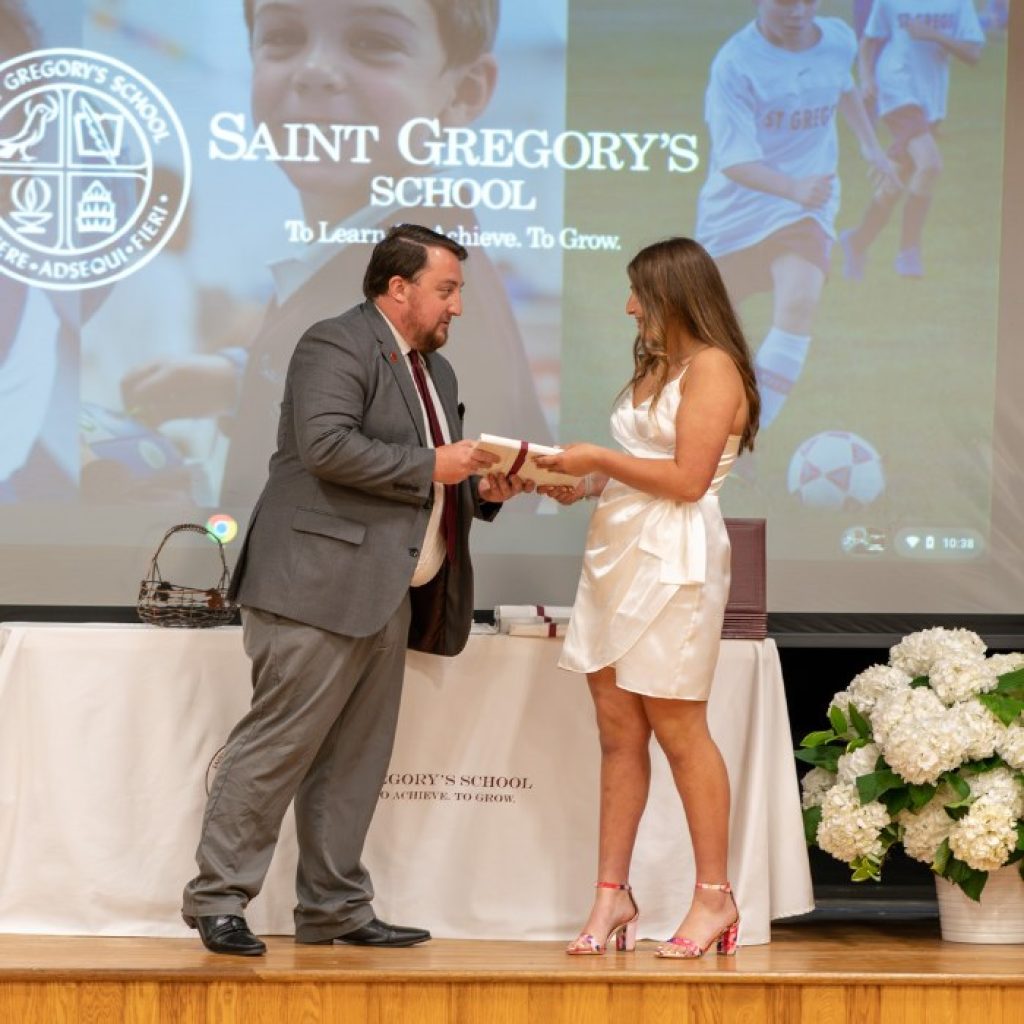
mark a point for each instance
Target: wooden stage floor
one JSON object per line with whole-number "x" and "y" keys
{"x": 811, "y": 972}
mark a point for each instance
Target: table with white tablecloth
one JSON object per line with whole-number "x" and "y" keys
{"x": 486, "y": 826}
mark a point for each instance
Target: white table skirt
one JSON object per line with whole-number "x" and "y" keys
{"x": 486, "y": 827}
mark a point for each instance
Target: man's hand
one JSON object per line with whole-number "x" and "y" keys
{"x": 499, "y": 487}
{"x": 459, "y": 461}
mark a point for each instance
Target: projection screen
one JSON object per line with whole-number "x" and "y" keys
{"x": 184, "y": 189}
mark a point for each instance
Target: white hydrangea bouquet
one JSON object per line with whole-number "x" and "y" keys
{"x": 927, "y": 751}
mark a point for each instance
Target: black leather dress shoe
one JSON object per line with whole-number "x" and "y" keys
{"x": 380, "y": 933}
{"x": 227, "y": 933}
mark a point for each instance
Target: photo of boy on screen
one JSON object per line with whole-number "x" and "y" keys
{"x": 380, "y": 63}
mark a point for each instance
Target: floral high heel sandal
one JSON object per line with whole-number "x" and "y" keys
{"x": 624, "y": 932}
{"x": 681, "y": 948}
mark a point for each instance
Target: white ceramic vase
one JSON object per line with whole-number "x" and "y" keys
{"x": 998, "y": 917}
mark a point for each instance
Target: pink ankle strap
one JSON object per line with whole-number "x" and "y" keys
{"x": 613, "y": 885}
{"x": 720, "y": 886}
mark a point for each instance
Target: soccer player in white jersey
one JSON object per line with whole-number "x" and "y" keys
{"x": 767, "y": 210}
{"x": 904, "y": 63}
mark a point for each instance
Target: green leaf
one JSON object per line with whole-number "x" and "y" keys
{"x": 826, "y": 757}
{"x": 865, "y": 868}
{"x": 1011, "y": 684}
{"x": 856, "y": 744}
{"x": 984, "y": 765}
{"x": 812, "y": 819}
{"x": 816, "y": 739}
{"x": 838, "y": 720}
{"x": 921, "y": 795}
{"x": 919, "y": 681}
{"x": 942, "y": 858}
{"x": 956, "y": 809}
{"x": 872, "y": 786}
{"x": 1020, "y": 835}
{"x": 969, "y": 879}
{"x": 896, "y": 800}
{"x": 1006, "y": 709}
{"x": 860, "y": 723}
{"x": 960, "y": 785}
{"x": 974, "y": 885}
{"x": 892, "y": 833}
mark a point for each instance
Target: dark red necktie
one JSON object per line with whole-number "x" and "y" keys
{"x": 451, "y": 492}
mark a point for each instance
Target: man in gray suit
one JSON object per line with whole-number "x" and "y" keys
{"x": 358, "y": 547}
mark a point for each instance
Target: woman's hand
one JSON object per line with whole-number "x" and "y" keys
{"x": 564, "y": 494}
{"x": 498, "y": 487}
{"x": 577, "y": 460}
{"x": 574, "y": 459}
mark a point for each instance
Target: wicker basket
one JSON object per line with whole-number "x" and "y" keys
{"x": 168, "y": 604}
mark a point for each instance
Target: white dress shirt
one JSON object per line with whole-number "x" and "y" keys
{"x": 432, "y": 552}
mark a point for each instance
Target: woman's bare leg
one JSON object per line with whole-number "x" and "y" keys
{"x": 625, "y": 780}
{"x": 681, "y": 728}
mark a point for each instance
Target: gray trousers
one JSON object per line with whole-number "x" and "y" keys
{"x": 320, "y": 730}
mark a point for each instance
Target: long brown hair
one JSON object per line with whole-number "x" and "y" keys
{"x": 678, "y": 287}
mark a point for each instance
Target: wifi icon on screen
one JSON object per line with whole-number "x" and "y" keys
{"x": 912, "y": 540}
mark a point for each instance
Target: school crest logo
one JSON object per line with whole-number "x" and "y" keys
{"x": 81, "y": 135}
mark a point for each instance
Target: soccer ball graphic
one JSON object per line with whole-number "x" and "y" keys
{"x": 836, "y": 470}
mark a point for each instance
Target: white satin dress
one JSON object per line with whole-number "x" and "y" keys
{"x": 655, "y": 577}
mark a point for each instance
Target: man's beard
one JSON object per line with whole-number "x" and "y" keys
{"x": 424, "y": 339}
{"x": 431, "y": 341}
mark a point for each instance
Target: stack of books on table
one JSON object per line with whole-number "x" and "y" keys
{"x": 531, "y": 619}
{"x": 746, "y": 614}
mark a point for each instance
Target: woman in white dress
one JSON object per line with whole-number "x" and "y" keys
{"x": 647, "y": 618}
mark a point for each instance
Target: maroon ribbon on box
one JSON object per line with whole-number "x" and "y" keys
{"x": 517, "y": 462}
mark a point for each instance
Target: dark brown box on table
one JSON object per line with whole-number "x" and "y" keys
{"x": 746, "y": 614}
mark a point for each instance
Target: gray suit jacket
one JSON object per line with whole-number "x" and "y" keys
{"x": 336, "y": 534}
